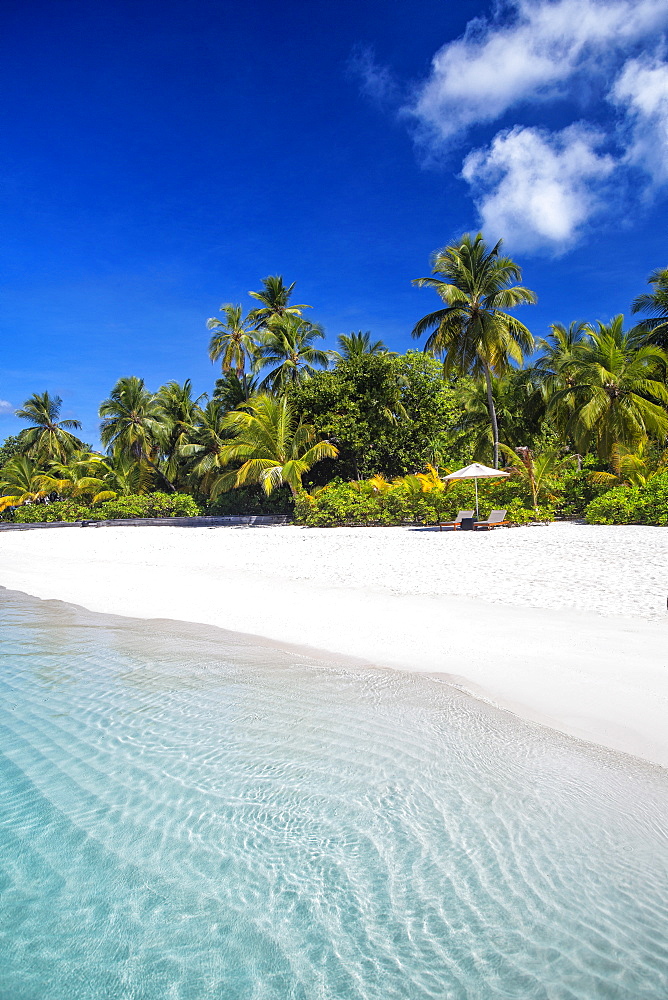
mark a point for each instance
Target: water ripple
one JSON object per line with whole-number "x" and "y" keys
{"x": 186, "y": 815}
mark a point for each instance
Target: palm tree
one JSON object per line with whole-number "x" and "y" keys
{"x": 517, "y": 414}
{"x": 49, "y": 437}
{"x": 552, "y": 372}
{"x": 631, "y": 466}
{"x": 473, "y": 334}
{"x": 205, "y": 451}
{"x": 656, "y": 304}
{"x": 357, "y": 344}
{"x": 126, "y": 477}
{"x": 85, "y": 474}
{"x": 616, "y": 391}
{"x": 558, "y": 351}
{"x": 232, "y": 339}
{"x": 537, "y": 471}
{"x": 275, "y": 299}
{"x": 231, "y": 390}
{"x": 287, "y": 347}
{"x": 131, "y": 425}
{"x": 21, "y": 480}
{"x": 179, "y": 414}
{"x": 272, "y": 446}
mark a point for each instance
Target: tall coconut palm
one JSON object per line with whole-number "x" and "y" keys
{"x": 232, "y": 340}
{"x": 552, "y": 371}
{"x": 48, "y": 438}
{"x": 518, "y": 416}
{"x": 205, "y": 451}
{"x": 656, "y": 304}
{"x": 179, "y": 413}
{"x": 287, "y": 347}
{"x": 275, "y": 302}
{"x": 271, "y": 445}
{"x": 557, "y": 352}
{"x": 474, "y": 334}
{"x": 355, "y": 345}
{"x": 132, "y": 427}
{"x": 617, "y": 392}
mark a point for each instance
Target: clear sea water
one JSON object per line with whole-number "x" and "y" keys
{"x": 186, "y": 814}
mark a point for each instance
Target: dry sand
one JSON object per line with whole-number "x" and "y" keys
{"x": 564, "y": 624}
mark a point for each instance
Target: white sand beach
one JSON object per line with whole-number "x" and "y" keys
{"x": 564, "y": 624}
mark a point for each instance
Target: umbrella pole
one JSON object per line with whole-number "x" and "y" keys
{"x": 476, "y": 497}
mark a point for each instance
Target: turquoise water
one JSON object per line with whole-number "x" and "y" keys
{"x": 185, "y": 814}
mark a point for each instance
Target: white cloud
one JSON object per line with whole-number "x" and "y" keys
{"x": 376, "y": 82}
{"x": 642, "y": 88}
{"x": 5, "y": 407}
{"x": 536, "y": 188}
{"x": 495, "y": 65}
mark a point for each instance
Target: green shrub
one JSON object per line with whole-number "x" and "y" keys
{"x": 360, "y": 504}
{"x": 252, "y": 500}
{"x": 578, "y": 492}
{"x": 646, "y": 504}
{"x": 61, "y": 510}
{"x": 146, "y": 505}
{"x": 133, "y": 506}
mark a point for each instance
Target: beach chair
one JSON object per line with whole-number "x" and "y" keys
{"x": 495, "y": 520}
{"x": 457, "y": 521}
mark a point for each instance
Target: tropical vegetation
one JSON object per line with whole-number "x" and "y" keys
{"x": 361, "y": 434}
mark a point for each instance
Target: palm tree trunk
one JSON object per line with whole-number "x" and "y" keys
{"x": 492, "y": 413}
{"x": 170, "y": 488}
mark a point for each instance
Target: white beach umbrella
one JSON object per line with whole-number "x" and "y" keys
{"x": 476, "y": 471}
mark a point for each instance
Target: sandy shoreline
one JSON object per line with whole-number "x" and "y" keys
{"x": 564, "y": 624}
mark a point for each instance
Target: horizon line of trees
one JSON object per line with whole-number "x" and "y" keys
{"x": 283, "y": 405}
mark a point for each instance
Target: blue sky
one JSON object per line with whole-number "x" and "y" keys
{"x": 160, "y": 158}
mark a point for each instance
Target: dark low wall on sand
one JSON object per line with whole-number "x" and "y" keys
{"x": 173, "y": 522}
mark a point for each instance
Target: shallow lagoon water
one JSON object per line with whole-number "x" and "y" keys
{"x": 187, "y": 814}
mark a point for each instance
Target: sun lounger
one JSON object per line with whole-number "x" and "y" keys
{"x": 495, "y": 520}
{"x": 457, "y": 521}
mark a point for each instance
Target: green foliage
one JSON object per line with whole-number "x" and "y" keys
{"x": 61, "y": 510}
{"x": 230, "y": 390}
{"x": 10, "y": 448}
{"x": 274, "y": 298}
{"x": 252, "y": 500}
{"x": 614, "y": 388}
{"x": 474, "y": 334}
{"x": 577, "y": 492}
{"x": 148, "y": 505}
{"x": 48, "y": 438}
{"x": 356, "y": 343}
{"x": 269, "y": 446}
{"x": 646, "y": 504}
{"x": 179, "y": 413}
{"x": 540, "y": 474}
{"x": 143, "y": 505}
{"x": 232, "y": 342}
{"x": 655, "y": 303}
{"x": 22, "y": 480}
{"x": 386, "y": 414}
{"x": 286, "y": 346}
{"x": 513, "y": 495}
{"x": 519, "y": 412}
{"x": 363, "y": 503}
{"x": 134, "y": 426}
